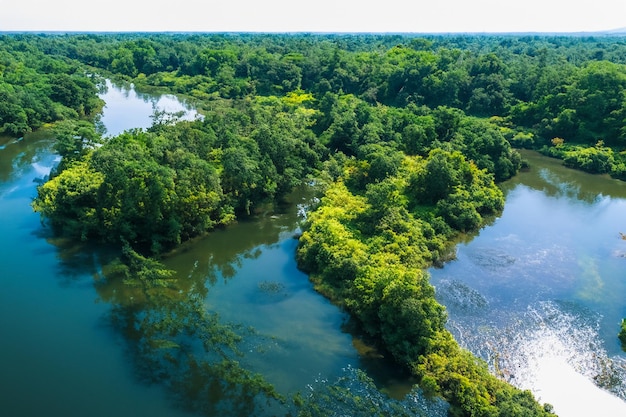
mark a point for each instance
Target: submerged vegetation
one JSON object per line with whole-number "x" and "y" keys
{"x": 407, "y": 137}
{"x": 173, "y": 340}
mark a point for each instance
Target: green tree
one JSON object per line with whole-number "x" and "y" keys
{"x": 69, "y": 201}
{"x": 124, "y": 63}
{"x": 74, "y": 139}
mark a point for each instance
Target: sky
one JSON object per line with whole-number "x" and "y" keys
{"x": 414, "y": 16}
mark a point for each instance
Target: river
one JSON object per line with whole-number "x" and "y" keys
{"x": 538, "y": 294}
{"x": 66, "y": 347}
{"x": 59, "y": 353}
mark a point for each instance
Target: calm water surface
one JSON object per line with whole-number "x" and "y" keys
{"x": 126, "y": 108}
{"x": 67, "y": 348}
{"x": 538, "y": 294}
{"x": 541, "y": 292}
{"x": 58, "y": 355}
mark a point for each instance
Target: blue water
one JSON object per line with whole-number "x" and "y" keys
{"x": 57, "y": 355}
{"x": 544, "y": 285}
{"x": 62, "y": 352}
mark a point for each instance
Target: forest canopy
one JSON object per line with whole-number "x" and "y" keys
{"x": 407, "y": 137}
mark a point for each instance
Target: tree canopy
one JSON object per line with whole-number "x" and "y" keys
{"x": 408, "y": 137}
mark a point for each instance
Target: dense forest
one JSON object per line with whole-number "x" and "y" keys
{"x": 407, "y": 138}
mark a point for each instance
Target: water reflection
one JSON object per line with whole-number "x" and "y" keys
{"x": 221, "y": 255}
{"x": 56, "y": 356}
{"x": 205, "y": 337}
{"x": 169, "y": 338}
{"x": 127, "y": 109}
{"x": 235, "y": 307}
{"x": 354, "y": 394}
{"x": 552, "y": 178}
{"x": 540, "y": 293}
{"x": 251, "y": 277}
{"x": 19, "y": 155}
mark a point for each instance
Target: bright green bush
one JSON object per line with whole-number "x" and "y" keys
{"x": 596, "y": 160}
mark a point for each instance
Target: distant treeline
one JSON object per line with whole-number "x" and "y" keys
{"x": 540, "y": 88}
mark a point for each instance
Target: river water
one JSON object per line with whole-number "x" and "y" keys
{"x": 538, "y": 294}
{"x": 59, "y": 354}
{"x": 126, "y": 108}
{"x": 66, "y": 347}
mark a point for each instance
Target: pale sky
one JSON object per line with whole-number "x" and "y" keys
{"x": 417, "y": 16}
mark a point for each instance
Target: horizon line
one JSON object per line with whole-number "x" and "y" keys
{"x": 609, "y": 32}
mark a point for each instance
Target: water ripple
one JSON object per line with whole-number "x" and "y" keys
{"x": 554, "y": 350}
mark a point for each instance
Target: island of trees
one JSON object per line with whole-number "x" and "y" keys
{"x": 406, "y": 136}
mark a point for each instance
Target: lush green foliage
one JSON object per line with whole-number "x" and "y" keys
{"x": 597, "y": 159}
{"x": 541, "y": 87}
{"x": 38, "y": 88}
{"x": 157, "y": 188}
{"x": 412, "y": 132}
{"x": 367, "y": 250}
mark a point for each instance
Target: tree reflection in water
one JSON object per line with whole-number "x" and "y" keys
{"x": 174, "y": 341}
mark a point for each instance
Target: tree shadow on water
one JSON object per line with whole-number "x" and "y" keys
{"x": 173, "y": 340}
